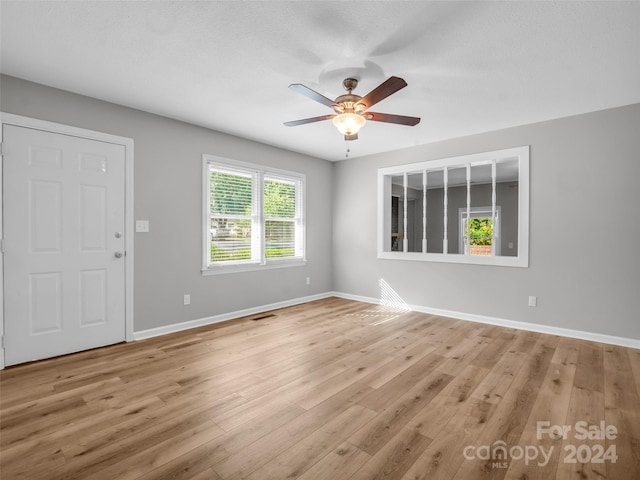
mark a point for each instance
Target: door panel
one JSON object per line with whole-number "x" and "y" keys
{"x": 64, "y": 205}
{"x": 93, "y": 222}
{"x": 45, "y": 303}
{"x": 45, "y": 216}
{"x": 93, "y": 295}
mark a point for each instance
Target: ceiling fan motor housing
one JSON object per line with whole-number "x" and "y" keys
{"x": 349, "y": 103}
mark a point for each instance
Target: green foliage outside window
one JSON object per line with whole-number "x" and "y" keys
{"x": 480, "y": 231}
{"x": 220, "y": 254}
{"x": 231, "y": 194}
{"x": 279, "y": 202}
{"x": 279, "y": 199}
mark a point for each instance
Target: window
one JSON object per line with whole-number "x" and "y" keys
{"x": 253, "y": 216}
{"x": 467, "y": 209}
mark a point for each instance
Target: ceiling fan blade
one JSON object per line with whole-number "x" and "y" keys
{"x": 351, "y": 137}
{"x": 295, "y": 123}
{"x": 312, "y": 94}
{"x": 382, "y": 91}
{"x": 389, "y": 118}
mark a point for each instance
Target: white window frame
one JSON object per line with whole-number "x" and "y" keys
{"x": 465, "y": 161}
{"x": 259, "y": 260}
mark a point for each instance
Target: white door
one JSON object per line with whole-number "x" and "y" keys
{"x": 64, "y": 219}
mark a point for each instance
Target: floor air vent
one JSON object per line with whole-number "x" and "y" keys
{"x": 262, "y": 317}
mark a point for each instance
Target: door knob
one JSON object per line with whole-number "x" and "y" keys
{"x": 118, "y": 254}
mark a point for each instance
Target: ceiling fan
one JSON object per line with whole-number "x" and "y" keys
{"x": 352, "y": 110}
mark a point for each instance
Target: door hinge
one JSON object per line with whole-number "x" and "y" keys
{"x": 2, "y": 245}
{"x": 3, "y": 344}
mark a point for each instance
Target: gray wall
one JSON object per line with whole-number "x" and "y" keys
{"x": 584, "y": 229}
{"x": 585, "y": 222}
{"x": 168, "y": 193}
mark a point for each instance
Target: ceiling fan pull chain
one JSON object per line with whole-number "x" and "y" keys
{"x": 348, "y": 149}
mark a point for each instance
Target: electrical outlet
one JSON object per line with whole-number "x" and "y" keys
{"x": 533, "y": 301}
{"x": 308, "y": 280}
{"x": 187, "y": 299}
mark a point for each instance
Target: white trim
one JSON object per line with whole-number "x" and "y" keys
{"x": 444, "y": 164}
{"x": 530, "y": 327}
{"x": 238, "y": 267}
{"x": 465, "y": 212}
{"x": 258, "y": 173}
{"x": 127, "y": 143}
{"x": 1, "y": 251}
{"x": 500, "y": 322}
{"x": 451, "y": 258}
{"x": 223, "y": 317}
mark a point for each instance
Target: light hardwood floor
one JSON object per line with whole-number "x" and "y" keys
{"x": 332, "y": 389}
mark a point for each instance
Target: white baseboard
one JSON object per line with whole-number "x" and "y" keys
{"x": 531, "y": 327}
{"x": 200, "y": 322}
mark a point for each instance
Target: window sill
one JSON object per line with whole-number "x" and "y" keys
{"x": 253, "y": 266}
{"x": 456, "y": 258}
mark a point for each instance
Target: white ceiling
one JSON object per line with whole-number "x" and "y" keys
{"x": 471, "y": 66}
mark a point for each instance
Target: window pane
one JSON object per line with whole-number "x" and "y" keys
{"x": 397, "y": 212}
{"x": 478, "y": 233}
{"x": 435, "y": 209}
{"x": 279, "y": 206}
{"x": 231, "y": 196}
{"x": 279, "y": 238}
{"x": 279, "y": 199}
{"x": 230, "y": 239}
{"x": 456, "y": 199}
{"x": 415, "y": 202}
{"x": 507, "y": 172}
{"x": 230, "y": 193}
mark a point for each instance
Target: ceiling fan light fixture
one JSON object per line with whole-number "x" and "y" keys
{"x": 349, "y": 123}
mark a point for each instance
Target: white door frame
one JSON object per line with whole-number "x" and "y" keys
{"x": 127, "y": 143}
{"x": 462, "y": 215}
